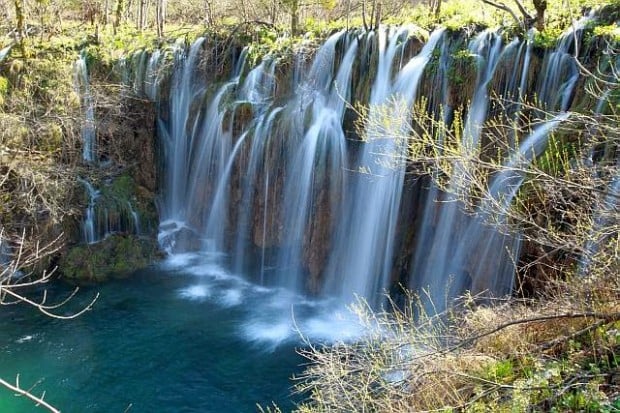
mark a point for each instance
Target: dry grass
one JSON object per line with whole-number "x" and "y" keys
{"x": 512, "y": 356}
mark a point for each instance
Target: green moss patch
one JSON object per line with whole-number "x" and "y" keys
{"x": 114, "y": 257}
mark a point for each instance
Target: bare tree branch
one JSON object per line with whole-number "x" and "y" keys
{"x": 28, "y": 393}
{"x": 507, "y": 9}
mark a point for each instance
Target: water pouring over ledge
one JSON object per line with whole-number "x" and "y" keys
{"x": 104, "y": 215}
{"x": 277, "y": 197}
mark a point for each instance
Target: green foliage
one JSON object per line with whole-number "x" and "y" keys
{"x": 502, "y": 371}
{"x": 462, "y": 67}
{"x": 467, "y": 377}
{"x": 547, "y": 38}
{"x": 4, "y": 86}
{"x": 611, "y": 32}
{"x": 454, "y": 15}
{"x": 122, "y": 188}
{"x": 320, "y": 29}
{"x": 270, "y": 43}
{"x": 556, "y": 160}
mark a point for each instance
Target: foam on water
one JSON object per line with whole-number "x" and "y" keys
{"x": 270, "y": 333}
{"x": 25, "y": 338}
{"x": 210, "y": 269}
{"x": 319, "y": 324}
{"x": 333, "y": 326}
{"x": 179, "y": 261}
{"x": 270, "y": 316}
{"x": 231, "y": 298}
{"x": 198, "y": 292}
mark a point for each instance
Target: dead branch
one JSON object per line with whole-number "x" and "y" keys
{"x": 508, "y": 10}
{"x": 27, "y": 393}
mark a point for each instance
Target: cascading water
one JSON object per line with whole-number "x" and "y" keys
{"x": 249, "y": 181}
{"x": 82, "y": 88}
{"x": 362, "y": 258}
{"x": 5, "y": 52}
{"x": 606, "y": 211}
{"x": 188, "y": 91}
{"x": 433, "y": 266}
{"x": 493, "y": 240}
{"x": 319, "y": 156}
{"x": 271, "y": 181}
{"x": 560, "y": 72}
{"x": 88, "y": 224}
{"x": 257, "y": 89}
{"x": 103, "y": 215}
{"x": 5, "y": 252}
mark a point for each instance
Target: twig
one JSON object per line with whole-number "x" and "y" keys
{"x": 39, "y": 400}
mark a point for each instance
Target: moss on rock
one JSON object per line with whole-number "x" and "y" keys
{"x": 116, "y": 256}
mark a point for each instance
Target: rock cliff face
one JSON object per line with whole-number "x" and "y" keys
{"x": 117, "y": 232}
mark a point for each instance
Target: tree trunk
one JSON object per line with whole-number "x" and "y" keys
{"x": 128, "y": 12}
{"x": 19, "y": 17}
{"x": 161, "y": 17}
{"x": 273, "y": 13}
{"x": 139, "y": 13}
{"x": 541, "y": 7}
{"x": 348, "y": 13}
{"x": 437, "y": 8}
{"x": 119, "y": 15}
{"x": 244, "y": 11}
{"x": 145, "y": 13}
{"x": 378, "y": 15}
{"x": 364, "y": 15}
{"x": 294, "y": 16}
{"x": 106, "y": 10}
{"x": 208, "y": 13}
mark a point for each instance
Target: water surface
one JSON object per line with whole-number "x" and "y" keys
{"x": 185, "y": 336}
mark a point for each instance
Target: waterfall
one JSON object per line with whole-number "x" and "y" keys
{"x": 176, "y": 135}
{"x": 486, "y": 47}
{"x": 5, "y": 52}
{"x": 605, "y": 212}
{"x": 488, "y": 235}
{"x": 319, "y": 158}
{"x": 5, "y": 253}
{"x": 104, "y": 214}
{"x": 274, "y": 178}
{"x": 88, "y": 225}
{"x": 361, "y": 261}
{"x": 560, "y": 72}
{"x": 432, "y": 268}
{"x": 250, "y": 181}
{"x": 258, "y": 89}
{"x": 152, "y": 76}
{"x": 82, "y": 88}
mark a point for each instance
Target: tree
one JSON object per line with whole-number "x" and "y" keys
{"x": 160, "y": 16}
{"x": 118, "y": 14}
{"x": 19, "y": 23}
{"x": 540, "y": 7}
{"x": 17, "y": 276}
{"x": 375, "y": 15}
